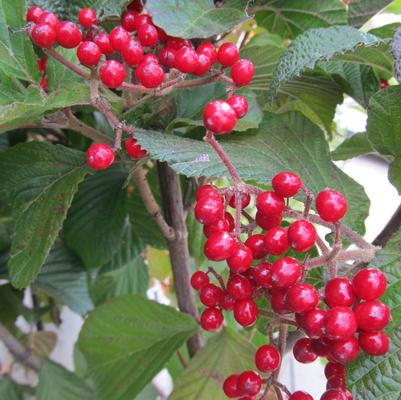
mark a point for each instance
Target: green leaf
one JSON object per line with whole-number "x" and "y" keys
{"x": 10, "y": 304}
{"x": 285, "y": 142}
{"x": 63, "y": 277}
{"x": 354, "y": 146}
{"x": 361, "y": 11}
{"x": 394, "y": 174}
{"x": 289, "y": 18}
{"x": 9, "y": 390}
{"x": 128, "y": 340}
{"x": 39, "y": 180}
{"x": 225, "y": 353}
{"x": 196, "y": 239}
{"x": 55, "y": 382}
{"x": 199, "y": 19}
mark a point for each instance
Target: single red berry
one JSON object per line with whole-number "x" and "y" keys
{"x": 278, "y": 301}
{"x": 336, "y": 383}
{"x": 209, "y": 209}
{"x": 203, "y": 65}
{"x": 167, "y": 57}
{"x": 249, "y": 382}
{"x": 150, "y": 58}
{"x": 267, "y": 223}
{"x": 286, "y": 271}
{"x": 186, "y": 59}
{"x": 220, "y": 246}
{"x": 128, "y": 20}
{"x": 242, "y": 72}
{"x": 132, "y": 53}
{"x": 339, "y": 293}
{"x": 241, "y": 259}
{"x": 99, "y": 156}
{"x": 163, "y": 37}
{"x": 267, "y": 358}
{"x": 384, "y": 84}
{"x": 299, "y": 395}
{"x": 239, "y": 287}
{"x": 222, "y": 225}
{"x": 245, "y": 199}
{"x": 374, "y": 343}
{"x": 302, "y": 235}
{"x": 208, "y": 50}
{"x": 134, "y": 150}
{"x": 211, "y": 319}
{"x": 68, "y": 34}
{"x": 322, "y": 347}
{"x": 230, "y": 387}
{"x": 250, "y": 275}
{"x": 340, "y": 323}
{"x": 286, "y": 184}
{"x": 302, "y": 297}
{"x": 276, "y": 241}
{"x": 43, "y": 83}
{"x": 87, "y": 17}
{"x": 303, "y": 351}
{"x": 199, "y": 279}
{"x": 313, "y": 323}
{"x": 147, "y": 35}
{"x": 89, "y": 53}
{"x": 103, "y": 41}
{"x": 347, "y": 394}
{"x": 331, "y": 205}
{"x": 206, "y": 190}
{"x": 142, "y": 20}
{"x": 269, "y": 204}
{"x": 136, "y": 5}
{"x": 333, "y": 394}
{"x": 42, "y": 64}
{"x": 369, "y": 284}
{"x": 176, "y": 43}
{"x": 372, "y": 316}
{"x": 228, "y": 54}
{"x": 119, "y": 38}
{"x": 227, "y": 301}
{"x": 263, "y": 274}
{"x": 332, "y": 370}
{"x": 44, "y": 36}
{"x": 219, "y": 117}
{"x": 33, "y": 14}
{"x": 210, "y": 295}
{"x": 345, "y": 351}
{"x": 49, "y": 18}
{"x": 112, "y": 73}
{"x": 245, "y": 312}
{"x": 149, "y": 74}
{"x": 239, "y": 104}
{"x": 257, "y": 245}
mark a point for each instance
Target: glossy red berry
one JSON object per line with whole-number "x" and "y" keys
{"x": 374, "y": 343}
{"x": 68, "y": 34}
{"x": 239, "y": 287}
{"x": 245, "y": 312}
{"x": 199, "y": 279}
{"x": 211, "y": 319}
{"x": 227, "y": 301}
{"x": 134, "y": 150}
{"x": 263, "y": 274}
{"x": 286, "y": 184}
{"x": 347, "y": 394}
{"x": 322, "y": 347}
{"x": 340, "y": 323}
{"x": 150, "y": 74}
{"x": 206, "y": 190}
{"x": 220, "y": 246}
{"x": 299, "y": 395}
{"x": 186, "y": 59}
{"x": 267, "y": 358}
{"x": 257, "y": 245}
{"x": 44, "y": 36}
{"x": 209, "y": 209}
{"x": 210, "y": 295}
{"x": 242, "y": 72}
{"x": 267, "y": 223}
{"x": 276, "y": 241}
{"x": 249, "y": 382}
{"x": 241, "y": 259}
{"x": 369, "y": 284}
{"x": 208, "y": 49}
{"x": 313, "y": 323}
{"x": 372, "y": 316}
{"x": 132, "y": 54}
{"x": 136, "y": 5}
{"x": 119, "y": 38}
{"x": 128, "y": 20}
{"x": 89, "y": 53}
{"x": 269, "y": 204}
{"x": 278, "y": 301}
{"x": 150, "y": 58}
{"x": 167, "y": 57}
{"x": 227, "y": 54}
{"x": 222, "y": 225}
{"x": 245, "y": 199}
{"x": 87, "y": 17}
{"x": 49, "y": 18}
{"x": 302, "y": 297}
{"x": 99, "y": 156}
{"x": 339, "y": 292}
{"x": 239, "y": 104}
{"x": 112, "y": 73}
{"x": 147, "y": 35}
{"x": 303, "y": 351}
{"x": 345, "y": 351}
{"x": 331, "y": 205}
{"x": 203, "y": 65}
{"x": 286, "y": 271}
{"x": 333, "y": 394}
{"x": 219, "y": 117}
{"x": 302, "y": 235}
{"x": 176, "y": 43}
{"x": 103, "y": 41}
{"x": 33, "y": 14}
{"x": 230, "y": 387}
{"x": 142, "y": 20}
{"x": 332, "y": 370}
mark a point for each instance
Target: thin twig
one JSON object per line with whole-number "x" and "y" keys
{"x": 181, "y": 359}
{"x": 218, "y": 277}
{"x": 73, "y": 67}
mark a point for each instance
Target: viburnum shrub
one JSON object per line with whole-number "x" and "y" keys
{"x": 166, "y": 173}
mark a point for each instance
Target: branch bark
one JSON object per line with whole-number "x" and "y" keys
{"x": 389, "y": 230}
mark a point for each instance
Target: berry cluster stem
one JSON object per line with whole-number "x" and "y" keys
{"x": 62, "y": 60}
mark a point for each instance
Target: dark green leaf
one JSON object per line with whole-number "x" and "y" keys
{"x": 9, "y": 390}
{"x": 361, "y": 11}
{"x": 128, "y": 340}
{"x": 10, "y": 304}
{"x": 354, "y": 146}
{"x": 196, "y": 240}
{"x": 394, "y": 174}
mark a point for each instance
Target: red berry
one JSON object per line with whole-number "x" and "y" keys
{"x": 245, "y": 312}
{"x": 220, "y": 246}
{"x": 228, "y": 54}
{"x": 257, "y": 245}
{"x": 339, "y": 292}
{"x": 267, "y": 223}
{"x": 119, "y": 38}
{"x": 249, "y": 382}
{"x": 103, "y": 41}
{"x": 241, "y": 259}
{"x": 242, "y": 72}
{"x": 99, "y": 156}
{"x": 142, "y": 20}
{"x": 374, "y": 343}
{"x": 33, "y": 14}
{"x": 163, "y": 37}
{"x": 134, "y": 150}
{"x": 300, "y": 396}
{"x": 372, "y": 316}
{"x": 44, "y": 36}
{"x": 239, "y": 287}
{"x": 49, "y": 18}
{"x": 136, "y": 5}
{"x": 336, "y": 383}
{"x": 208, "y": 50}
{"x": 239, "y": 104}
{"x": 333, "y": 394}
{"x": 87, "y": 17}
{"x": 302, "y": 235}
{"x": 334, "y": 370}
{"x": 89, "y": 53}
{"x": 186, "y": 59}
{"x": 112, "y": 73}
{"x": 68, "y": 34}
{"x": 43, "y": 83}
{"x": 176, "y": 43}
{"x": 340, "y": 323}
{"x": 267, "y": 358}
{"x": 263, "y": 274}
{"x": 167, "y": 57}
{"x": 278, "y": 300}
{"x": 199, "y": 280}
{"x": 42, "y": 64}
{"x": 209, "y": 209}
{"x": 206, "y": 190}
{"x": 203, "y": 65}
{"x": 384, "y": 84}
{"x": 147, "y": 35}
{"x": 331, "y": 205}
{"x": 211, "y": 319}
{"x": 345, "y": 351}
{"x": 222, "y": 225}
{"x": 227, "y": 301}
{"x": 313, "y": 323}
{"x": 285, "y": 272}
{"x": 303, "y": 351}
{"x": 150, "y": 58}
{"x": 230, "y": 387}
{"x": 269, "y": 204}
{"x": 322, "y": 347}
{"x": 210, "y": 295}
{"x": 369, "y": 284}
{"x": 128, "y": 20}
{"x": 347, "y": 394}
{"x": 149, "y": 74}
{"x": 219, "y": 117}
{"x": 276, "y": 241}
{"x": 245, "y": 199}
{"x": 132, "y": 54}
{"x": 286, "y": 184}
{"x": 302, "y": 297}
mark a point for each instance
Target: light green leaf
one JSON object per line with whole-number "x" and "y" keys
{"x": 394, "y": 174}
{"x": 354, "y": 146}
{"x": 361, "y": 11}
{"x": 128, "y": 340}
{"x": 9, "y": 390}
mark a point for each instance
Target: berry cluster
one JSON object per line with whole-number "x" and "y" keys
{"x": 351, "y": 318}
